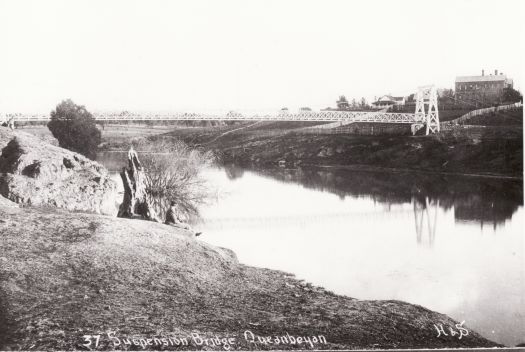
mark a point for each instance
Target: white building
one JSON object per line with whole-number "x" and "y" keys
{"x": 388, "y": 100}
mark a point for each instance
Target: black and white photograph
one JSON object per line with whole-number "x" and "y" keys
{"x": 248, "y": 175}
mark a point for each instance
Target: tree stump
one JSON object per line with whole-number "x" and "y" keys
{"x": 135, "y": 203}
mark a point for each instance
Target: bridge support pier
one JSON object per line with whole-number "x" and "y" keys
{"x": 427, "y": 108}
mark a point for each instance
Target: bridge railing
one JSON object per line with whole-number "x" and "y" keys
{"x": 322, "y": 116}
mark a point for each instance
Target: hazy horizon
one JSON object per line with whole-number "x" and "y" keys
{"x": 260, "y": 55}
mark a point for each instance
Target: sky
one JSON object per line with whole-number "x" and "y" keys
{"x": 262, "y": 55}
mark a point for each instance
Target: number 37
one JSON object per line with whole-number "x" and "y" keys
{"x": 89, "y": 340}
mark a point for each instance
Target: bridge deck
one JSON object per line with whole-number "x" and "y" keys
{"x": 349, "y": 116}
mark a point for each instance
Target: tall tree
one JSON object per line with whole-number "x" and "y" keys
{"x": 342, "y": 103}
{"x": 74, "y": 128}
{"x": 511, "y": 95}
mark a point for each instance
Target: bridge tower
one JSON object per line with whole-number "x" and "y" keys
{"x": 427, "y": 108}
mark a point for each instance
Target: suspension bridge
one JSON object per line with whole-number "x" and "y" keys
{"x": 426, "y": 114}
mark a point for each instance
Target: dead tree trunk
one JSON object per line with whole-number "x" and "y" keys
{"x": 135, "y": 203}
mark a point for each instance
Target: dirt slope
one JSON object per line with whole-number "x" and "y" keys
{"x": 64, "y": 275}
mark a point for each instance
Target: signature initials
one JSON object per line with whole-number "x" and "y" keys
{"x": 460, "y": 331}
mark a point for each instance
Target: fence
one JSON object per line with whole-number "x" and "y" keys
{"x": 478, "y": 112}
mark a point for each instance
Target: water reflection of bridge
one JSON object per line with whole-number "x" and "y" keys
{"x": 301, "y": 219}
{"x": 425, "y": 216}
{"x": 425, "y": 210}
{"x": 480, "y": 200}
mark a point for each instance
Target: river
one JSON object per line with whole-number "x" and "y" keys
{"x": 452, "y": 244}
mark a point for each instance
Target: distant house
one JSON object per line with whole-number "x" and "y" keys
{"x": 484, "y": 89}
{"x": 388, "y": 100}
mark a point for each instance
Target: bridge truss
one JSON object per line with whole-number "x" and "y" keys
{"x": 426, "y": 114}
{"x": 320, "y": 116}
{"x": 351, "y": 116}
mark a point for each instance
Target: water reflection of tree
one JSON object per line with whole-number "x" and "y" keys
{"x": 233, "y": 171}
{"x": 476, "y": 199}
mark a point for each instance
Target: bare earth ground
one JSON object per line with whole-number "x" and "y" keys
{"x": 64, "y": 275}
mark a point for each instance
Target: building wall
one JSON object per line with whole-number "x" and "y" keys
{"x": 481, "y": 91}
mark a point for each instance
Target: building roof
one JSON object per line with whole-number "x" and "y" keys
{"x": 390, "y": 98}
{"x": 489, "y": 78}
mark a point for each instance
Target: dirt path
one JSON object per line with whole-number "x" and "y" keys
{"x": 228, "y": 132}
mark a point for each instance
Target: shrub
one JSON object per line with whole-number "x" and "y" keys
{"x": 74, "y": 128}
{"x": 173, "y": 173}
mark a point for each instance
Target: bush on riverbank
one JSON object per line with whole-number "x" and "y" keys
{"x": 173, "y": 173}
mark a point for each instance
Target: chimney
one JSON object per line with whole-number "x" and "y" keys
{"x": 495, "y": 72}
{"x": 483, "y": 72}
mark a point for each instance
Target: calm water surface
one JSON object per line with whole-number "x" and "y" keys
{"x": 451, "y": 244}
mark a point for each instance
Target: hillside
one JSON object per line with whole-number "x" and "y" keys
{"x": 500, "y": 118}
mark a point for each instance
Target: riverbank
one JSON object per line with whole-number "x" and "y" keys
{"x": 491, "y": 151}
{"x": 66, "y": 274}
{"x": 475, "y": 151}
